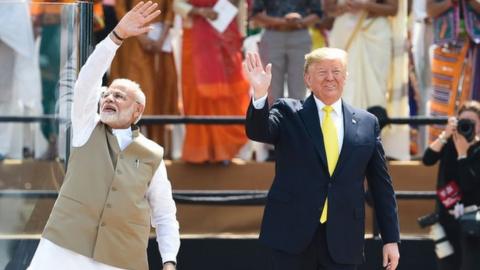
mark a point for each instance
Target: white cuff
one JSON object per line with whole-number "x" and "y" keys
{"x": 112, "y": 46}
{"x": 169, "y": 257}
{"x": 259, "y": 103}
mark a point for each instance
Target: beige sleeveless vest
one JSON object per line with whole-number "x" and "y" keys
{"x": 102, "y": 211}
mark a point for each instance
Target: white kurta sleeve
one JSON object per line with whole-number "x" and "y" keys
{"x": 164, "y": 218}
{"x": 86, "y": 93}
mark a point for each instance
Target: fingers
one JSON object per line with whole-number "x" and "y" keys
{"x": 268, "y": 69}
{"x": 258, "y": 62}
{"x": 150, "y": 10}
{"x": 246, "y": 69}
{"x": 138, "y": 6}
{"x": 385, "y": 259}
{"x": 249, "y": 62}
{"x": 144, "y": 7}
{"x": 152, "y": 16}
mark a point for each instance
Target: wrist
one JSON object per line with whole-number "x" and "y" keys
{"x": 170, "y": 262}
{"x": 115, "y": 39}
{"x": 120, "y": 33}
{"x": 442, "y": 137}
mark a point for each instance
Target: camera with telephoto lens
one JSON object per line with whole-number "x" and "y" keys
{"x": 443, "y": 248}
{"x": 466, "y": 127}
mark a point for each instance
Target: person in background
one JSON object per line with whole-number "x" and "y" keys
{"x": 458, "y": 183}
{"x": 455, "y": 58}
{"x": 285, "y": 41}
{"x": 212, "y": 82}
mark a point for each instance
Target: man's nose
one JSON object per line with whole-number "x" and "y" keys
{"x": 109, "y": 98}
{"x": 329, "y": 76}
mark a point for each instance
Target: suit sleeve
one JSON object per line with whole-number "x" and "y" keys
{"x": 263, "y": 125}
{"x": 380, "y": 185}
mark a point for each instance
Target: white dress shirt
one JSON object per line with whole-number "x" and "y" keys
{"x": 159, "y": 194}
{"x": 336, "y": 115}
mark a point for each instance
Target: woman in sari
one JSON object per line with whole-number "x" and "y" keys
{"x": 369, "y": 47}
{"x": 213, "y": 83}
{"x": 456, "y": 59}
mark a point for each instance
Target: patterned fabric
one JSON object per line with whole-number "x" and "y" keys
{"x": 279, "y": 8}
{"x": 455, "y": 61}
{"x": 451, "y": 80}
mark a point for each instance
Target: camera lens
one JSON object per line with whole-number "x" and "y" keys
{"x": 466, "y": 128}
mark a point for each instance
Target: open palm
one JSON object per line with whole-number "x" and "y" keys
{"x": 135, "y": 22}
{"x": 258, "y": 77}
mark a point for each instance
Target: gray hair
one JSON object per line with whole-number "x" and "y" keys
{"x": 131, "y": 85}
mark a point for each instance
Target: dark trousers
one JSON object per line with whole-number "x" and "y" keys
{"x": 315, "y": 257}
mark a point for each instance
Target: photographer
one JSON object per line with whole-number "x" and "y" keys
{"x": 458, "y": 183}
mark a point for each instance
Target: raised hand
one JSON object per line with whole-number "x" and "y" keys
{"x": 258, "y": 77}
{"x": 136, "y": 21}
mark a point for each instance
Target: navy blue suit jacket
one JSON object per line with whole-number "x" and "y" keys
{"x": 302, "y": 181}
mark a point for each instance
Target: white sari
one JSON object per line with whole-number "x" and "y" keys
{"x": 378, "y": 69}
{"x": 369, "y": 56}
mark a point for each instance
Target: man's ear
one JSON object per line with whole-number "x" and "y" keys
{"x": 139, "y": 108}
{"x": 138, "y": 112}
{"x": 306, "y": 80}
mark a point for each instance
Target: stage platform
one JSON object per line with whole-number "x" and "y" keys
{"x": 243, "y": 253}
{"x": 213, "y": 219}
{"x": 215, "y": 236}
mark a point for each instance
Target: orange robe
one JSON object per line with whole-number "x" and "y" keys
{"x": 213, "y": 83}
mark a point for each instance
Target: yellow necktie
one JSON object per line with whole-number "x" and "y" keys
{"x": 330, "y": 140}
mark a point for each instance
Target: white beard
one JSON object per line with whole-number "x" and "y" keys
{"x": 116, "y": 117}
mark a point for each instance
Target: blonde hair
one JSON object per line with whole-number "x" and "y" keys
{"x": 320, "y": 54}
{"x": 133, "y": 86}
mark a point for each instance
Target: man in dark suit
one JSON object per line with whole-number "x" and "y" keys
{"x": 315, "y": 215}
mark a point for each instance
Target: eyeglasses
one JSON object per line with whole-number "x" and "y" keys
{"x": 117, "y": 95}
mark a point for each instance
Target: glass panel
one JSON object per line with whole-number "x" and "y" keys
{"x": 38, "y": 52}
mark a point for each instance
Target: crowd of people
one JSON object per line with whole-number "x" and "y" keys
{"x": 409, "y": 58}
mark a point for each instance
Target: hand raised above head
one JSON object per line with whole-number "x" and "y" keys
{"x": 258, "y": 77}
{"x": 136, "y": 21}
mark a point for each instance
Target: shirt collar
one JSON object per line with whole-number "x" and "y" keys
{"x": 123, "y": 132}
{"x": 337, "y": 105}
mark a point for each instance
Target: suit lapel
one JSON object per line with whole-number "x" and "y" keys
{"x": 350, "y": 124}
{"x": 309, "y": 116}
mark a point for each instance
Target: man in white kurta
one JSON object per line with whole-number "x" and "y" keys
{"x": 85, "y": 118}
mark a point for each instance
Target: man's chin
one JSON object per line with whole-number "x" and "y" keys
{"x": 108, "y": 119}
